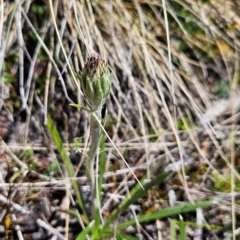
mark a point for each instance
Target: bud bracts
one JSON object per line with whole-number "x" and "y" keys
{"x": 95, "y": 81}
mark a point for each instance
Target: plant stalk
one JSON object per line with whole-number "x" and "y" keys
{"x": 95, "y": 133}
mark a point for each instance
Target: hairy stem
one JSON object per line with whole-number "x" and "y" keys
{"x": 95, "y": 131}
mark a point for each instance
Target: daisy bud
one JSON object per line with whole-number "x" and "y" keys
{"x": 95, "y": 81}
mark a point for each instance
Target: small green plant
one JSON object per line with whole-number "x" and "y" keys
{"x": 76, "y": 142}
{"x": 32, "y": 166}
{"x": 221, "y": 184}
{"x": 28, "y": 154}
{"x": 52, "y": 169}
{"x": 8, "y": 78}
{"x": 184, "y": 123}
{"x": 95, "y": 82}
{"x": 38, "y": 9}
{"x": 105, "y": 229}
{"x": 223, "y": 88}
{"x": 152, "y": 135}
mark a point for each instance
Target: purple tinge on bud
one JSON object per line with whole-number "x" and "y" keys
{"x": 95, "y": 81}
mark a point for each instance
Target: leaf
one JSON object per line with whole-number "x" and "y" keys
{"x": 167, "y": 212}
{"x": 182, "y": 228}
{"x": 109, "y": 233}
{"x": 82, "y": 235}
{"x": 127, "y": 237}
{"x": 79, "y": 106}
{"x": 173, "y": 229}
{"x": 68, "y": 164}
{"x": 135, "y": 193}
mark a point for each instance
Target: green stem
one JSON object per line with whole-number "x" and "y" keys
{"x": 95, "y": 131}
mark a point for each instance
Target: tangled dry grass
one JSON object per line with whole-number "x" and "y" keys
{"x": 174, "y": 101}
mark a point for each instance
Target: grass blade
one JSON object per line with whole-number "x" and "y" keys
{"x": 68, "y": 164}
{"x": 172, "y": 229}
{"x": 182, "y": 228}
{"x": 82, "y": 235}
{"x": 168, "y": 212}
{"x": 119, "y": 236}
{"x": 135, "y": 193}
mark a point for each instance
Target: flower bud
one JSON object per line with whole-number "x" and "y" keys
{"x": 95, "y": 81}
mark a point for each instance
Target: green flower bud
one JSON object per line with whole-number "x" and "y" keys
{"x": 95, "y": 81}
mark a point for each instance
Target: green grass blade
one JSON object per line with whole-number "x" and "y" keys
{"x": 135, "y": 193}
{"x": 82, "y": 235}
{"x": 164, "y": 213}
{"x": 173, "y": 229}
{"x": 127, "y": 237}
{"x": 68, "y": 164}
{"x": 182, "y": 228}
{"x": 79, "y": 106}
{"x": 109, "y": 233}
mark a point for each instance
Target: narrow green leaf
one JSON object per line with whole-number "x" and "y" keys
{"x": 182, "y": 228}
{"x": 68, "y": 164}
{"x": 135, "y": 193}
{"x": 167, "y": 212}
{"x": 173, "y": 229}
{"x": 82, "y": 235}
{"x": 127, "y": 237}
{"x": 79, "y": 106}
{"x": 110, "y": 233}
